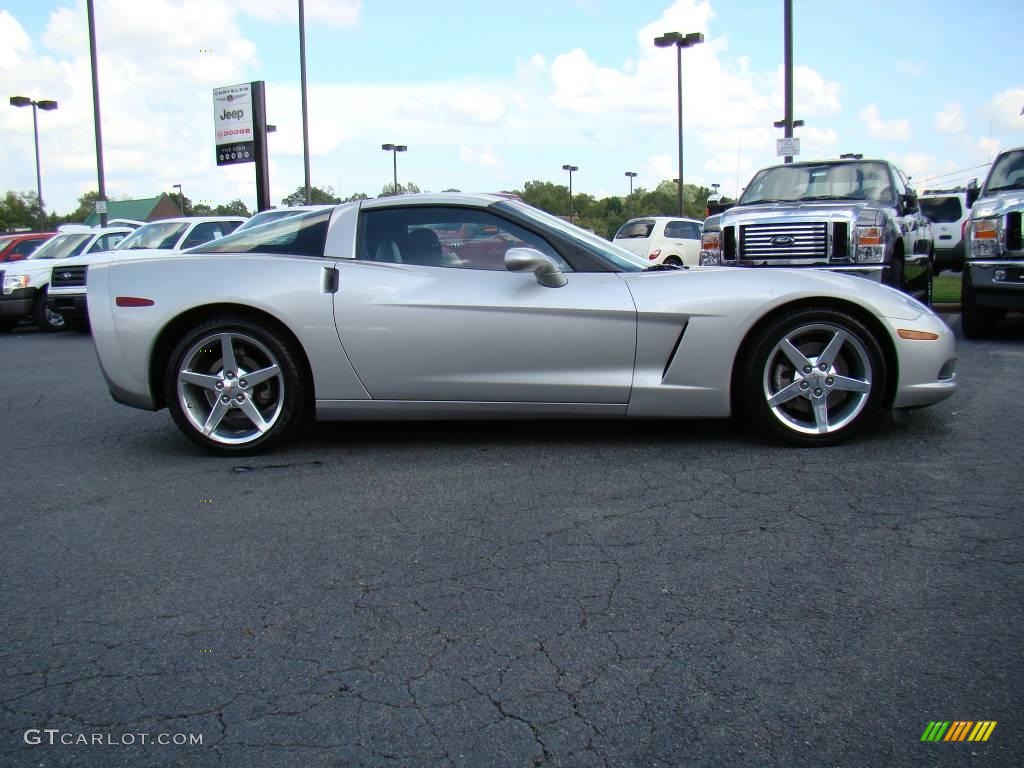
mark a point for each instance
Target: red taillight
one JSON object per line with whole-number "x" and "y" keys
{"x": 963, "y": 228}
{"x": 654, "y": 254}
{"x": 133, "y": 301}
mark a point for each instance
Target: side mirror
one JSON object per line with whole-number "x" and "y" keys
{"x": 972, "y": 195}
{"x": 531, "y": 260}
{"x": 909, "y": 200}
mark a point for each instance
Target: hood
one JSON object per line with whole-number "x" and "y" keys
{"x": 999, "y": 203}
{"x": 819, "y": 209}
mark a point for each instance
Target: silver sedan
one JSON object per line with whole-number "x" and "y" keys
{"x": 473, "y": 306}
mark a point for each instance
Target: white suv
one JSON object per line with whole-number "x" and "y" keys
{"x": 662, "y": 239}
{"x": 948, "y": 212}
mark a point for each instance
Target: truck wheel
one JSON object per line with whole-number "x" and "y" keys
{"x": 7, "y": 324}
{"x": 43, "y": 316}
{"x": 234, "y": 386}
{"x": 813, "y": 377}
{"x": 896, "y": 278}
{"x": 976, "y": 321}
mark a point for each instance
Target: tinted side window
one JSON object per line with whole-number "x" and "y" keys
{"x": 637, "y": 229}
{"x": 25, "y": 247}
{"x": 941, "y": 210}
{"x": 684, "y": 230}
{"x": 203, "y": 233}
{"x": 465, "y": 238}
{"x": 302, "y": 235}
{"x": 106, "y": 242}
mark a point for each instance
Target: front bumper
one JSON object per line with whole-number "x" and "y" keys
{"x": 71, "y": 307}
{"x": 927, "y": 373}
{"x": 997, "y": 282}
{"x": 17, "y": 304}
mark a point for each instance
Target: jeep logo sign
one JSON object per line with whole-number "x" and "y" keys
{"x": 233, "y": 124}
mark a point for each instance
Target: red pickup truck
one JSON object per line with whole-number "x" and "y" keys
{"x": 15, "y": 247}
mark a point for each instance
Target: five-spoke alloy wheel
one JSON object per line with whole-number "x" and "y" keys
{"x": 814, "y": 377}
{"x": 233, "y": 386}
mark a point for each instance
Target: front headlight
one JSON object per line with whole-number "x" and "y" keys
{"x": 870, "y": 245}
{"x": 14, "y": 282}
{"x": 710, "y": 248}
{"x": 985, "y": 238}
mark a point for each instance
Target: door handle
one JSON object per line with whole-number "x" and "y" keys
{"x": 329, "y": 280}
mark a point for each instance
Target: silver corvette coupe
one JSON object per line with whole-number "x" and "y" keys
{"x": 473, "y": 306}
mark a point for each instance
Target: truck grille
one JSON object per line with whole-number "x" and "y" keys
{"x": 1013, "y": 231}
{"x": 68, "y": 277}
{"x": 797, "y": 240}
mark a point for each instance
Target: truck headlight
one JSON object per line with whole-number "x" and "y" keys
{"x": 870, "y": 245}
{"x": 984, "y": 238}
{"x": 14, "y": 282}
{"x": 710, "y": 248}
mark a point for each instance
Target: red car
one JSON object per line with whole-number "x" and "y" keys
{"x": 19, "y": 246}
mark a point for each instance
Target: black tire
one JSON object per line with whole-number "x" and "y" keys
{"x": 897, "y": 275}
{"x": 281, "y": 399}
{"x": 7, "y": 324}
{"x": 46, "y": 318}
{"x": 976, "y": 322}
{"x": 674, "y": 261}
{"x": 829, "y": 395}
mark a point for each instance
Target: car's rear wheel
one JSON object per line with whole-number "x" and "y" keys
{"x": 235, "y": 386}
{"x": 675, "y": 261}
{"x": 814, "y": 377}
{"x": 45, "y": 317}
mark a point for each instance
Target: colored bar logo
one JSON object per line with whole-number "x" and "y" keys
{"x": 958, "y": 730}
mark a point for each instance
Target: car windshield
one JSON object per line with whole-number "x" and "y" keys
{"x": 820, "y": 181}
{"x": 63, "y": 246}
{"x": 161, "y": 235}
{"x": 941, "y": 210}
{"x": 1007, "y": 172}
{"x": 639, "y": 228}
{"x": 623, "y": 260}
{"x": 302, "y": 234}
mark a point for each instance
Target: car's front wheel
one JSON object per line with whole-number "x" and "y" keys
{"x": 44, "y": 317}
{"x": 235, "y": 386}
{"x": 813, "y": 377}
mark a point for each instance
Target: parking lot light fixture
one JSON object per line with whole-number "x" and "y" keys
{"x": 570, "y": 169}
{"x": 631, "y": 175}
{"x": 47, "y": 105}
{"x": 394, "y": 149}
{"x": 680, "y": 41}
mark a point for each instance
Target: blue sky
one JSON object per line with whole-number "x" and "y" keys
{"x": 488, "y": 96}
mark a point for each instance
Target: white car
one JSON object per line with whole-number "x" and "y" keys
{"x": 662, "y": 239}
{"x": 948, "y": 212}
{"x": 67, "y": 297}
{"x": 355, "y": 312}
{"x": 26, "y": 282}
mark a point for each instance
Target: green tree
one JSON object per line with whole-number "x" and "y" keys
{"x": 390, "y": 190}
{"x": 317, "y": 196}
{"x": 234, "y": 208}
{"x": 355, "y": 197}
{"x": 19, "y": 210}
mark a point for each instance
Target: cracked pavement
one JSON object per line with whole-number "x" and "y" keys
{"x": 508, "y": 594}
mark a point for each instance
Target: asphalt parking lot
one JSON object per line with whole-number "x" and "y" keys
{"x": 579, "y": 594}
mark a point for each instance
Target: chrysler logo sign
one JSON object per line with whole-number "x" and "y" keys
{"x": 782, "y": 241}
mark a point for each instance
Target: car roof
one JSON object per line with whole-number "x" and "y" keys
{"x": 665, "y": 218}
{"x": 195, "y": 220}
{"x": 435, "y": 198}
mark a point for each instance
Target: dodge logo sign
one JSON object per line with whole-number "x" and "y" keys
{"x": 783, "y": 241}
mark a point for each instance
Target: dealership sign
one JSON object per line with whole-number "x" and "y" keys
{"x": 233, "y": 123}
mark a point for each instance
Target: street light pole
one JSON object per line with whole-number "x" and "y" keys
{"x": 305, "y": 115}
{"x": 394, "y": 149}
{"x": 181, "y": 197}
{"x": 101, "y": 200}
{"x": 570, "y": 169}
{"x": 680, "y": 41}
{"x": 46, "y": 105}
{"x": 632, "y": 175}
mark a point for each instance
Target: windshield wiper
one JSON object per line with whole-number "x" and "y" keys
{"x": 765, "y": 200}
{"x": 661, "y": 267}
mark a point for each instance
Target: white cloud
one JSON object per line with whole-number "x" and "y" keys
{"x": 950, "y": 119}
{"x": 476, "y": 105}
{"x": 1004, "y": 110}
{"x": 484, "y": 156}
{"x": 890, "y": 130}
{"x": 989, "y": 146}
